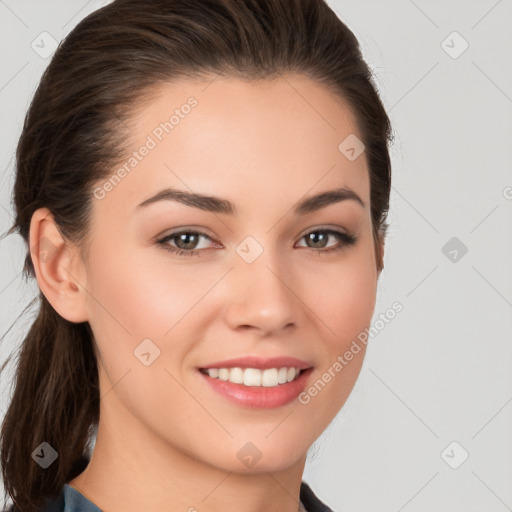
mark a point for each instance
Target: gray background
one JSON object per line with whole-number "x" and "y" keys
{"x": 441, "y": 370}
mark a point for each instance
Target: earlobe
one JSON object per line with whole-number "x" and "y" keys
{"x": 58, "y": 268}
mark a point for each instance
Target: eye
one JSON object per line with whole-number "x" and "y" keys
{"x": 184, "y": 241}
{"x": 313, "y": 237}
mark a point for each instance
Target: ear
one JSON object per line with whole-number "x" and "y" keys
{"x": 59, "y": 270}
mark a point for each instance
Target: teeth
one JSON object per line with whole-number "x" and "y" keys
{"x": 270, "y": 377}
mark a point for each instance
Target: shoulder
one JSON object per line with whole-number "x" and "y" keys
{"x": 311, "y": 500}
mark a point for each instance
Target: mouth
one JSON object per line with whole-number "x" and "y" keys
{"x": 254, "y": 388}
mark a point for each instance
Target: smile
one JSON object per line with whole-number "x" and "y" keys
{"x": 269, "y": 377}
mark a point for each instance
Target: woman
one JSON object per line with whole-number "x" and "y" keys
{"x": 203, "y": 188}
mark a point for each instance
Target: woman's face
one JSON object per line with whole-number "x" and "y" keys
{"x": 262, "y": 278}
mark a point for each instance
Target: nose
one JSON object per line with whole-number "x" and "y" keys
{"x": 261, "y": 295}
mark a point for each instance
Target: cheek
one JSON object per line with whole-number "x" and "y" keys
{"x": 351, "y": 307}
{"x": 133, "y": 298}
{"x": 131, "y": 302}
{"x": 344, "y": 303}
{"x": 343, "y": 296}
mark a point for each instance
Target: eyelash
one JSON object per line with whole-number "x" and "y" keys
{"x": 347, "y": 240}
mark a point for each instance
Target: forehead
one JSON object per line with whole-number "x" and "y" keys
{"x": 218, "y": 135}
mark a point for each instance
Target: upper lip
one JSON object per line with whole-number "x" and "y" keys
{"x": 260, "y": 362}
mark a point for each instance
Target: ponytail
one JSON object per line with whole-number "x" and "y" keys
{"x": 53, "y": 412}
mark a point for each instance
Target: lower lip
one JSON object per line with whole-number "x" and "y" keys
{"x": 259, "y": 397}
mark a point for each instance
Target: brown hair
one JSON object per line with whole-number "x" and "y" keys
{"x": 77, "y": 128}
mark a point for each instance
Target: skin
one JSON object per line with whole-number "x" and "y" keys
{"x": 165, "y": 439}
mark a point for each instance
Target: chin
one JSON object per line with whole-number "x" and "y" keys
{"x": 251, "y": 458}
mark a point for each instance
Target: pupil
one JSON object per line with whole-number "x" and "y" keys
{"x": 313, "y": 236}
{"x": 184, "y": 237}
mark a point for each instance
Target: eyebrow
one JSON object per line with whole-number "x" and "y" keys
{"x": 218, "y": 205}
